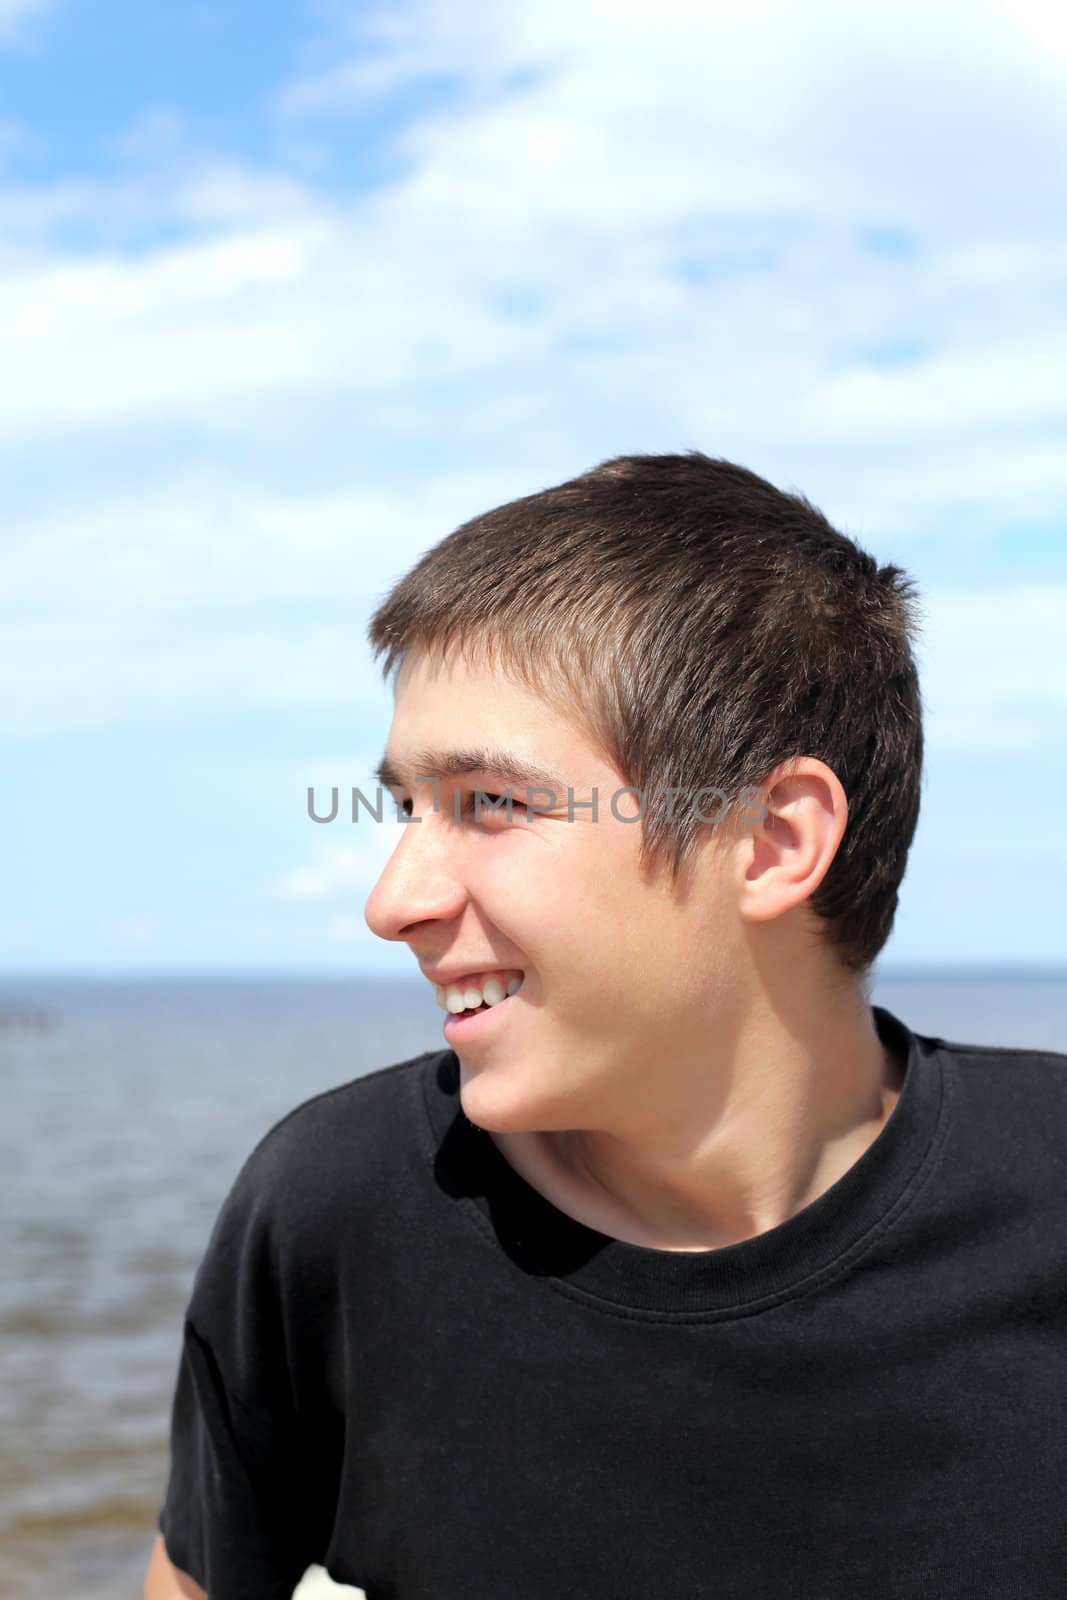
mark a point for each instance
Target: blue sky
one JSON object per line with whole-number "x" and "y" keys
{"x": 288, "y": 293}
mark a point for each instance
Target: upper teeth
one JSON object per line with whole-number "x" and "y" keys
{"x": 492, "y": 991}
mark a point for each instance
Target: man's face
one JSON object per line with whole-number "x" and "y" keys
{"x": 620, "y": 970}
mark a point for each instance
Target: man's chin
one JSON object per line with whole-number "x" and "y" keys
{"x": 497, "y": 1108}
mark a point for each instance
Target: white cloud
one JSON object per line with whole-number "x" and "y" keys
{"x": 639, "y": 142}
{"x": 341, "y": 869}
{"x": 205, "y": 541}
{"x": 1044, "y": 27}
{"x": 993, "y": 669}
{"x": 63, "y": 678}
{"x": 204, "y": 592}
{"x": 344, "y": 874}
{"x": 989, "y": 383}
{"x": 15, "y": 14}
{"x": 632, "y": 229}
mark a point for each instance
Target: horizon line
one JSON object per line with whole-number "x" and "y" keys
{"x": 905, "y": 971}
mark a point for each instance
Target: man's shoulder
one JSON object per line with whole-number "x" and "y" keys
{"x": 369, "y": 1102}
{"x": 335, "y": 1185}
{"x": 360, "y": 1136}
{"x": 997, "y": 1060}
{"x": 1013, "y": 1098}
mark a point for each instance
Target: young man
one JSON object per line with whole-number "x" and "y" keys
{"x": 680, "y": 1270}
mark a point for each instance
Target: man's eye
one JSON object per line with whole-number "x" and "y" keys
{"x": 497, "y": 801}
{"x": 467, "y": 808}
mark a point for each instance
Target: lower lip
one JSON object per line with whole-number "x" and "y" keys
{"x": 459, "y": 1028}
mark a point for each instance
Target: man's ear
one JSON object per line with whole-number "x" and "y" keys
{"x": 786, "y": 856}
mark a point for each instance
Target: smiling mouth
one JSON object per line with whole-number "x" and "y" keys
{"x": 489, "y": 991}
{"x": 460, "y": 1021}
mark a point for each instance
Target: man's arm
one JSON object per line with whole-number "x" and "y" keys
{"x": 163, "y": 1581}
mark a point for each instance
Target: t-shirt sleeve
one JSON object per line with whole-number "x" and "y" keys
{"x": 234, "y": 1516}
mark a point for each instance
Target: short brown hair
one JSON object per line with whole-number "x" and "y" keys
{"x": 702, "y": 627}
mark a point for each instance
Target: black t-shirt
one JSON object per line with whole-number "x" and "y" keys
{"x": 402, "y": 1362}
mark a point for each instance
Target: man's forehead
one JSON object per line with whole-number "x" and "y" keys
{"x": 400, "y": 769}
{"x": 486, "y": 686}
{"x": 449, "y": 666}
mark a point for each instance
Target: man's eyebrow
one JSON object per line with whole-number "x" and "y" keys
{"x": 461, "y": 763}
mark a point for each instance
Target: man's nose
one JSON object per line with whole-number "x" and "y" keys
{"x": 419, "y": 883}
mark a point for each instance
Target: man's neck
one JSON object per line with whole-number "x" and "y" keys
{"x": 793, "y": 1122}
